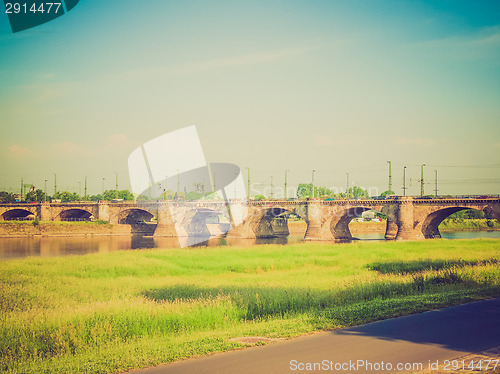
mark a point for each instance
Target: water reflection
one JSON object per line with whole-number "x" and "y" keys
{"x": 64, "y": 246}
{"x": 471, "y": 234}
{"x": 444, "y": 235}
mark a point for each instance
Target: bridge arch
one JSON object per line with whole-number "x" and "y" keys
{"x": 204, "y": 222}
{"x": 272, "y": 222}
{"x": 430, "y": 226}
{"x": 16, "y": 214}
{"x": 340, "y": 227}
{"x": 134, "y": 216}
{"x": 74, "y": 214}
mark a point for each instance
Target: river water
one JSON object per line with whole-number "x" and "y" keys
{"x": 11, "y": 248}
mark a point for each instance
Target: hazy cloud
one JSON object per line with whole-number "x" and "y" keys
{"x": 322, "y": 140}
{"x": 261, "y": 57}
{"x": 423, "y": 142}
{"x": 68, "y": 148}
{"x": 16, "y": 150}
{"x": 120, "y": 141}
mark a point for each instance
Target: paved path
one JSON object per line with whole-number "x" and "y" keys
{"x": 424, "y": 338}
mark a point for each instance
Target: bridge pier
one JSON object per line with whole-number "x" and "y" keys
{"x": 249, "y": 227}
{"x": 44, "y": 212}
{"x": 405, "y": 220}
{"x": 340, "y": 227}
{"x": 103, "y": 212}
{"x": 494, "y": 211}
{"x": 165, "y": 223}
{"x": 391, "y": 229}
{"x": 316, "y": 228}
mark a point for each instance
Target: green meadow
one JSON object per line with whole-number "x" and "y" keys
{"x": 107, "y": 313}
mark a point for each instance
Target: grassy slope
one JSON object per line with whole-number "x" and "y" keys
{"x": 469, "y": 225}
{"x": 103, "y": 313}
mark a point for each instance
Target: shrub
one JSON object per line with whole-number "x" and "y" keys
{"x": 101, "y": 222}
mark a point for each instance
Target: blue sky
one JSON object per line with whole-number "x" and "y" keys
{"x": 336, "y": 86}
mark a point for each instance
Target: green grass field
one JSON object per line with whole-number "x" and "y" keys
{"x": 106, "y": 313}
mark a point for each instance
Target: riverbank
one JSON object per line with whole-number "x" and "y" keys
{"x": 112, "y": 312}
{"x": 469, "y": 225}
{"x": 18, "y": 229}
{"x": 370, "y": 227}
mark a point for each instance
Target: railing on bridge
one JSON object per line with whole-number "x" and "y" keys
{"x": 256, "y": 202}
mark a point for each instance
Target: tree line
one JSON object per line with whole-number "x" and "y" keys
{"x": 304, "y": 191}
{"x": 66, "y": 196}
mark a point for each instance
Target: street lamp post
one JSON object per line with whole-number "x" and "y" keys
{"x": 55, "y": 183}
{"x": 390, "y": 176}
{"x": 178, "y": 184}
{"x": 286, "y": 171}
{"x": 422, "y": 192}
{"x": 103, "y": 179}
{"x": 45, "y": 191}
{"x": 347, "y": 187}
{"x": 312, "y": 182}
{"x": 404, "y": 180}
{"x": 248, "y": 183}
{"x": 436, "y": 183}
{"x": 271, "y": 186}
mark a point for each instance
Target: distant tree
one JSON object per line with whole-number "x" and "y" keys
{"x": 387, "y": 193}
{"x": 193, "y": 195}
{"x": 6, "y": 197}
{"x": 109, "y": 195}
{"x": 145, "y": 197}
{"x": 305, "y": 190}
{"x": 212, "y": 196}
{"x": 168, "y": 195}
{"x": 113, "y": 194}
{"x": 469, "y": 214}
{"x": 358, "y": 192}
{"x": 37, "y": 195}
{"x": 259, "y": 197}
{"x": 30, "y": 196}
{"x": 125, "y": 195}
{"x": 66, "y": 196}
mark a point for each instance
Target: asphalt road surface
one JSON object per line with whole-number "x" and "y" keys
{"x": 390, "y": 346}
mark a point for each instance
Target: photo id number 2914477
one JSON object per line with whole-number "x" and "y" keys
{"x": 34, "y": 8}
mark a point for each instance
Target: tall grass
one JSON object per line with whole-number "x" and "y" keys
{"x": 101, "y": 313}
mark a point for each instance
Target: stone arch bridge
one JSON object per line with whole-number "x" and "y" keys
{"x": 407, "y": 218}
